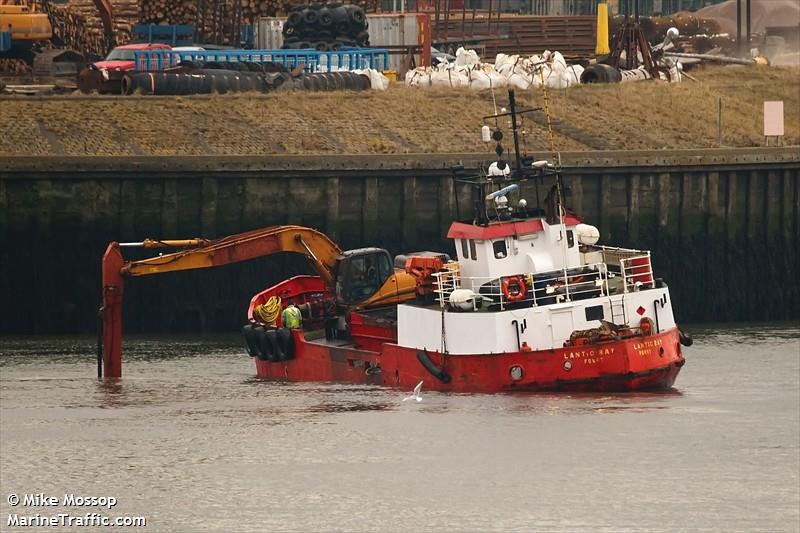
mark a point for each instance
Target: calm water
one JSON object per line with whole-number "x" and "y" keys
{"x": 192, "y": 443}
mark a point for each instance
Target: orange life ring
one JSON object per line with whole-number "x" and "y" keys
{"x": 514, "y": 288}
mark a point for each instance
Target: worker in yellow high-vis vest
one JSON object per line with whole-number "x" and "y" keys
{"x": 291, "y": 317}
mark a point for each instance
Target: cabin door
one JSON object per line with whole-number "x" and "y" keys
{"x": 562, "y": 325}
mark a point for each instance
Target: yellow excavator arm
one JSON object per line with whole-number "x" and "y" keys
{"x": 315, "y": 246}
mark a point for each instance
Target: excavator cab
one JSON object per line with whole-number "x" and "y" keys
{"x": 362, "y": 274}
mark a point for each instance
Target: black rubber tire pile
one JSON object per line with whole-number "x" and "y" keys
{"x": 329, "y": 81}
{"x": 326, "y": 27}
{"x": 218, "y": 80}
{"x": 199, "y": 82}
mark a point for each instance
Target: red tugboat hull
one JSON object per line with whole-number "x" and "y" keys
{"x": 633, "y": 364}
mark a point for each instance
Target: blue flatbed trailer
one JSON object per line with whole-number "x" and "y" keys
{"x": 313, "y": 60}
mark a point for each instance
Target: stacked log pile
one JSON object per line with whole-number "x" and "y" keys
{"x": 14, "y": 67}
{"x": 213, "y": 20}
{"x": 77, "y": 24}
{"x": 170, "y": 12}
{"x": 126, "y": 14}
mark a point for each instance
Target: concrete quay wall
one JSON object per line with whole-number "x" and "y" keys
{"x": 722, "y": 225}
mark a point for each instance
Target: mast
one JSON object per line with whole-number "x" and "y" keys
{"x": 512, "y": 104}
{"x": 523, "y": 168}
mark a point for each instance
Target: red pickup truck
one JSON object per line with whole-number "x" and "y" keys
{"x": 106, "y": 76}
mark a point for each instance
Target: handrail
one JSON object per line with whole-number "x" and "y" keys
{"x": 619, "y": 249}
{"x": 313, "y": 60}
{"x": 637, "y": 272}
{"x": 544, "y": 288}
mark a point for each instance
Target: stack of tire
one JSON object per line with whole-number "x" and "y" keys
{"x": 326, "y": 27}
{"x": 268, "y": 343}
{"x": 213, "y": 79}
{"x": 329, "y": 81}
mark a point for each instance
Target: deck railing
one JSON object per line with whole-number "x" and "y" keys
{"x": 637, "y": 273}
{"x": 622, "y": 270}
{"x": 634, "y": 266}
{"x": 533, "y": 290}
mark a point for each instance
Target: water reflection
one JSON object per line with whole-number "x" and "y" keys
{"x": 349, "y": 407}
{"x": 751, "y": 333}
{"x": 110, "y": 392}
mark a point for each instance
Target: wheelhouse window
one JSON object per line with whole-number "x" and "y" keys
{"x": 500, "y": 250}
{"x": 570, "y": 238}
{"x": 473, "y": 249}
{"x": 594, "y": 312}
{"x": 384, "y": 268}
{"x": 361, "y": 276}
{"x": 120, "y": 55}
{"x": 464, "y": 249}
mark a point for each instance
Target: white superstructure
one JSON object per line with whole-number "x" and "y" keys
{"x": 532, "y": 286}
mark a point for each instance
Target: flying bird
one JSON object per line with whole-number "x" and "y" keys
{"x": 415, "y": 395}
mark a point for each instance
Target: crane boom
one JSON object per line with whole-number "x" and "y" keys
{"x": 314, "y": 245}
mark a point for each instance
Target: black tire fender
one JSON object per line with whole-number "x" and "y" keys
{"x": 271, "y": 341}
{"x": 253, "y": 349}
{"x": 264, "y": 347}
{"x": 435, "y": 371}
{"x": 286, "y": 343}
{"x": 272, "y": 336}
{"x": 685, "y": 338}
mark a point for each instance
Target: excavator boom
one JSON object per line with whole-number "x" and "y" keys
{"x": 318, "y": 248}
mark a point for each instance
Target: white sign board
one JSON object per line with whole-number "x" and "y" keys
{"x": 773, "y": 119}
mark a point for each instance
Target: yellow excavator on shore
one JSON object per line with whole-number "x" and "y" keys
{"x": 25, "y": 37}
{"x": 24, "y": 25}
